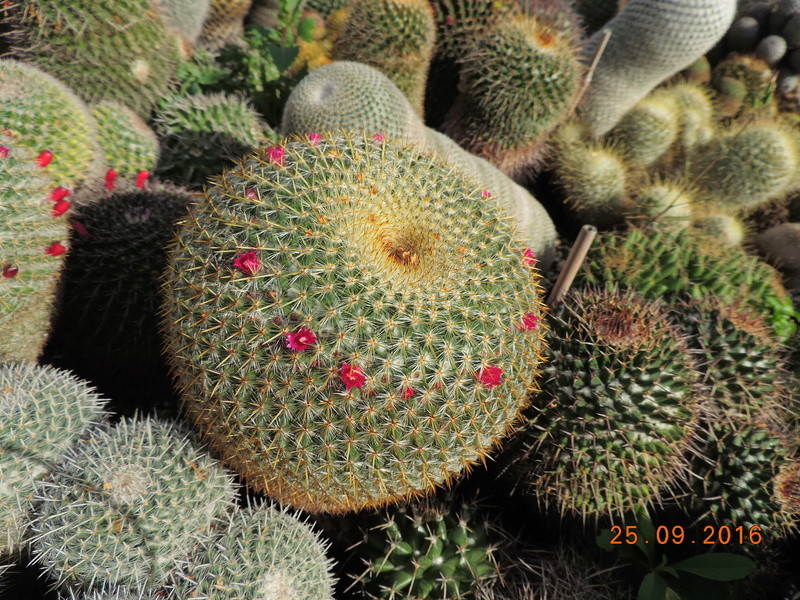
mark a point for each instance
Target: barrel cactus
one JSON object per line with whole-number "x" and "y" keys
{"x": 43, "y": 411}
{"x": 337, "y": 337}
{"x": 33, "y": 232}
{"x": 129, "y": 145}
{"x": 126, "y": 505}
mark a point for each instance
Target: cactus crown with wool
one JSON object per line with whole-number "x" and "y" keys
{"x": 43, "y": 411}
{"x": 262, "y": 552}
{"x": 616, "y": 411}
{"x": 40, "y": 113}
{"x": 429, "y": 549}
{"x": 103, "y": 49}
{"x": 126, "y": 505}
{"x": 32, "y": 229}
{"x": 350, "y": 321}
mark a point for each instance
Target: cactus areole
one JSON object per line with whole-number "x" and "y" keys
{"x": 350, "y": 322}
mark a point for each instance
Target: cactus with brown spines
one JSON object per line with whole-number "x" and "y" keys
{"x": 103, "y": 49}
{"x": 396, "y": 37}
{"x": 224, "y": 24}
{"x": 33, "y": 232}
{"x": 617, "y": 410}
{"x": 518, "y": 80}
{"x": 332, "y": 286}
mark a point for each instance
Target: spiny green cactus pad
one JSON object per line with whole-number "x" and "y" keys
{"x": 350, "y": 322}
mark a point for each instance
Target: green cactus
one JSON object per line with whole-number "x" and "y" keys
{"x": 758, "y": 78}
{"x": 32, "y": 231}
{"x": 696, "y": 115}
{"x": 651, "y": 40}
{"x": 429, "y": 549}
{"x": 616, "y": 412}
{"x": 128, "y": 144}
{"x": 325, "y": 7}
{"x": 113, "y": 593}
{"x": 186, "y": 17}
{"x": 315, "y": 265}
{"x": 262, "y": 552}
{"x": 459, "y": 22}
{"x": 394, "y": 36}
{"x": 594, "y": 178}
{"x": 676, "y": 265}
{"x": 108, "y": 299}
{"x": 665, "y": 203}
{"x": 43, "y": 411}
{"x": 725, "y": 230}
{"x": 103, "y": 49}
{"x": 126, "y": 505}
{"x": 738, "y": 473}
{"x": 40, "y": 113}
{"x": 202, "y": 134}
{"x": 743, "y": 168}
{"x": 648, "y": 130}
{"x": 356, "y": 98}
{"x": 518, "y": 80}
{"x": 224, "y": 24}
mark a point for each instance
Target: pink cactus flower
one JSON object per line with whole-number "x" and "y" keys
{"x": 314, "y": 138}
{"x": 56, "y": 249}
{"x": 491, "y": 376}
{"x": 59, "y": 194}
{"x": 251, "y": 194}
{"x": 379, "y": 138}
{"x": 529, "y": 321}
{"x": 300, "y": 340}
{"x": 248, "y": 263}
{"x": 352, "y": 377}
{"x": 111, "y": 178}
{"x": 60, "y": 207}
{"x": 10, "y": 271}
{"x": 44, "y": 158}
{"x": 4, "y": 150}
{"x": 450, "y": 20}
{"x": 276, "y": 155}
{"x": 408, "y": 393}
{"x": 141, "y": 178}
{"x": 486, "y": 194}
{"x": 530, "y": 257}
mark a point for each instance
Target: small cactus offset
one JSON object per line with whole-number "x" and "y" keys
{"x": 103, "y": 49}
{"x": 33, "y": 234}
{"x": 261, "y": 552}
{"x": 518, "y": 80}
{"x": 43, "y": 411}
{"x": 651, "y": 40}
{"x": 126, "y": 505}
{"x": 201, "y": 134}
{"x": 394, "y": 36}
{"x": 617, "y": 409}
{"x": 129, "y": 145}
{"x": 40, "y": 113}
{"x": 429, "y": 549}
{"x": 416, "y": 316}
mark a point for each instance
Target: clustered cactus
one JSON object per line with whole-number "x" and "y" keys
{"x": 267, "y": 256}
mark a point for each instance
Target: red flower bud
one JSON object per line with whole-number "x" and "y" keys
{"x": 44, "y": 158}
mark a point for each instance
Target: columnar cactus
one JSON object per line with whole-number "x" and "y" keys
{"x": 651, "y": 40}
{"x": 261, "y": 552}
{"x": 394, "y": 36}
{"x": 129, "y": 145}
{"x": 40, "y": 113}
{"x": 201, "y": 134}
{"x": 43, "y": 411}
{"x": 126, "y": 505}
{"x": 33, "y": 230}
{"x": 103, "y": 49}
{"x": 518, "y": 80}
{"x": 616, "y": 412}
{"x": 380, "y": 323}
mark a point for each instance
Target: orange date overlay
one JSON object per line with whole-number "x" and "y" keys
{"x": 719, "y": 534}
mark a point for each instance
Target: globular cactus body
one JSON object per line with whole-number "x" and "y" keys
{"x": 224, "y": 24}
{"x": 650, "y": 40}
{"x": 303, "y": 259}
{"x": 129, "y": 145}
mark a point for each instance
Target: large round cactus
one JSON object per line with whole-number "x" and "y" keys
{"x": 351, "y": 322}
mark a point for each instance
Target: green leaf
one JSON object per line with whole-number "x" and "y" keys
{"x": 283, "y": 57}
{"x": 720, "y": 566}
{"x": 647, "y": 533}
{"x": 305, "y": 29}
{"x": 672, "y": 594}
{"x": 653, "y": 588}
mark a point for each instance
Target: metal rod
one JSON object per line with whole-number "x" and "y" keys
{"x": 577, "y": 254}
